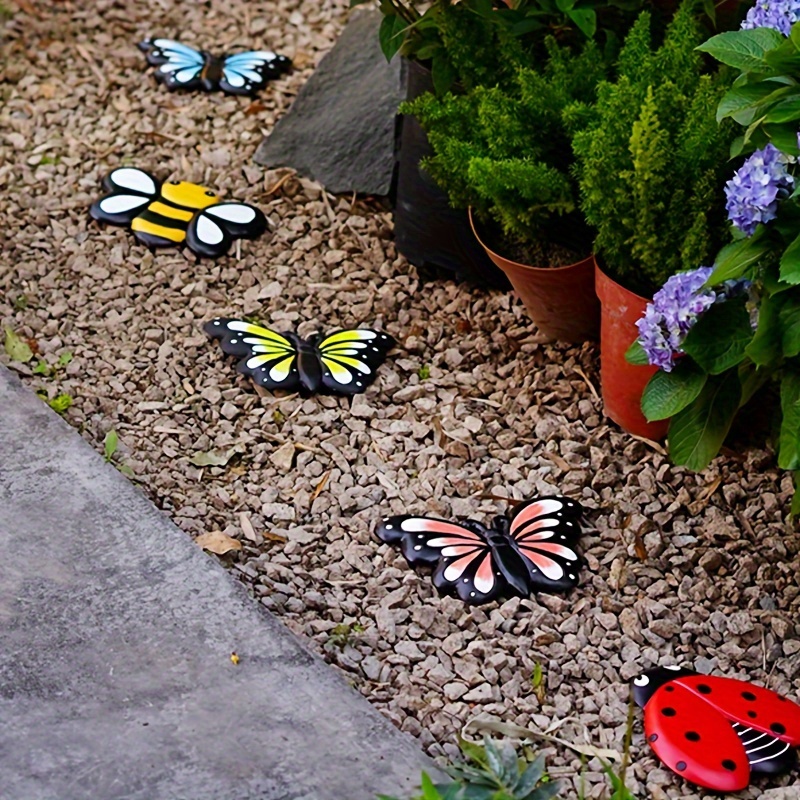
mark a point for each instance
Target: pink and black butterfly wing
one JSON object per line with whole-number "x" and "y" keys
{"x": 465, "y": 566}
{"x": 545, "y": 531}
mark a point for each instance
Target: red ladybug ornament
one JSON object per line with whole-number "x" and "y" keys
{"x": 714, "y": 731}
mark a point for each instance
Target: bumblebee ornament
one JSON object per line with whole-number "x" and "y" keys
{"x": 175, "y": 212}
{"x": 530, "y": 550}
{"x": 182, "y": 67}
{"x": 716, "y": 732}
{"x": 341, "y": 363}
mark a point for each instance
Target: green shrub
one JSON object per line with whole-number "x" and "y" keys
{"x": 651, "y": 160}
{"x": 503, "y": 149}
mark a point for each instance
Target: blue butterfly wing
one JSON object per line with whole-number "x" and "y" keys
{"x": 245, "y": 73}
{"x": 179, "y": 66}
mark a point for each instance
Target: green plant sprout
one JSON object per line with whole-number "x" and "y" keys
{"x": 110, "y": 444}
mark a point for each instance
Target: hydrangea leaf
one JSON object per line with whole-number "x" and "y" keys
{"x": 766, "y": 347}
{"x": 790, "y": 263}
{"x": 636, "y": 355}
{"x": 789, "y": 442}
{"x": 742, "y": 98}
{"x": 719, "y": 339}
{"x": 787, "y": 110}
{"x": 697, "y": 432}
{"x": 745, "y": 50}
{"x": 783, "y": 136}
{"x": 737, "y": 257}
{"x": 390, "y": 35}
{"x": 789, "y": 317}
{"x": 667, "y": 393}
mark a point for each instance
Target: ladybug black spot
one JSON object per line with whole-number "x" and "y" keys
{"x": 729, "y": 765}
{"x": 669, "y": 688}
{"x": 703, "y": 688}
{"x": 748, "y": 696}
{"x": 653, "y": 737}
{"x": 668, "y": 712}
{"x": 776, "y": 727}
{"x": 752, "y": 714}
{"x": 693, "y": 736}
{"x": 680, "y": 766}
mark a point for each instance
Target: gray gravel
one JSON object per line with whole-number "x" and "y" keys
{"x": 696, "y": 569}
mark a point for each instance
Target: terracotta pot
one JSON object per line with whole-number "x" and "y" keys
{"x": 623, "y": 383}
{"x": 560, "y": 300}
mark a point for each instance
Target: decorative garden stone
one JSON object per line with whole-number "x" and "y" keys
{"x": 169, "y": 214}
{"x": 715, "y": 731}
{"x": 341, "y": 363}
{"x": 531, "y": 549}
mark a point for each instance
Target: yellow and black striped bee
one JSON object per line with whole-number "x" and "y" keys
{"x": 175, "y": 212}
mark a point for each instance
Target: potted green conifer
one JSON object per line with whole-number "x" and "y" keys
{"x": 651, "y": 164}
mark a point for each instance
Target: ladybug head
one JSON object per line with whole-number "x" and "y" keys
{"x": 645, "y": 685}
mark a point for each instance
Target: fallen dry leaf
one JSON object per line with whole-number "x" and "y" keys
{"x": 247, "y": 528}
{"x": 213, "y": 458}
{"x": 274, "y": 537}
{"x": 218, "y": 542}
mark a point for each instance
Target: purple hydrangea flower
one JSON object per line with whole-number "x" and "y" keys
{"x": 777, "y": 14}
{"x": 676, "y": 307}
{"x": 753, "y": 192}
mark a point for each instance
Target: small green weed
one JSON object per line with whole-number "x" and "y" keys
{"x": 60, "y": 403}
{"x": 344, "y": 634}
{"x": 49, "y": 160}
{"x": 21, "y": 301}
{"x": 491, "y": 772}
{"x": 424, "y": 372}
{"x": 110, "y": 444}
{"x": 16, "y": 347}
{"x": 537, "y": 682}
{"x": 46, "y": 370}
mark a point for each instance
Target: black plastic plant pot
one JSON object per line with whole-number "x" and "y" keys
{"x": 428, "y": 232}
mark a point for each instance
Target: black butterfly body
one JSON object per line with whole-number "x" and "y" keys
{"x": 343, "y": 362}
{"x": 530, "y": 550}
{"x": 183, "y": 67}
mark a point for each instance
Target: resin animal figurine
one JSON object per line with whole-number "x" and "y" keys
{"x": 182, "y": 67}
{"x": 532, "y": 549}
{"x": 716, "y": 732}
{"x": 343, "y": 362}
{"x": 175, "y": 212}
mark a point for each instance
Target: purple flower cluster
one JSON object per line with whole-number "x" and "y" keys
{"x": 676, "y": 307}
{"x": 777, "y": 14}
{"x": 752, "y": 194}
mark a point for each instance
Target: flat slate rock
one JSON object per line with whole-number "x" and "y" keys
{"x": 117, "y": 630}
{"x": 340, "y": 129}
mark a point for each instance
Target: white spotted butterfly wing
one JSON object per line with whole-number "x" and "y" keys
{"x": 546, "y": 531}
{"x": 534, "y": 551}
{"x": 350, "y": 358}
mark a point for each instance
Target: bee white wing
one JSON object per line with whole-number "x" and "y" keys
{"x": 130, "y": 190}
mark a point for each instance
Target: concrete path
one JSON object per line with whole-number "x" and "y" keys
{"x": 115, "y": 638}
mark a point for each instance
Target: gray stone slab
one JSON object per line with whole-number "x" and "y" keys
{"x": 115, "y": 638}
{"x": 340, "y": 129}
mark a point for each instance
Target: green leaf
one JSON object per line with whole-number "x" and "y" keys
{"x": 443, "y": 73}
{"x": 783, "y": 136}
{"x": 747, "y": 97}
{"x": 790, "y": 263}
{"x": 766, "y": 347}
{"x": 795, "y": 510}
{"x": 126, "y": 471}
{"x": 667, "y": 393}
{"x": 17, "y": 348}
{"x": 429, "y": 791}
{"x": 697, "y": 432}
{"x": 718, "y": 340}
{"x": 745, "y": 50}
{"x": 787, "y": 110}
{"x": 636, "y": 354}
{"x": 41, "y": 368}
{"x": 784, "y": 58}
{"x": 789, "y": 442}
{"x": 494, "y": 758}
{"x": 545, "y": 792}
{"x": 64, "y": 359}
{"x": 737, "y": 257}
{"x": 390, "y": 35}
{"x": 60, "y": 403}
{"x": 789, "y": 323}
{"x": 532, "y": 775}
{"x": 585, "y": 19}
{"x": 110, "y": 444}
